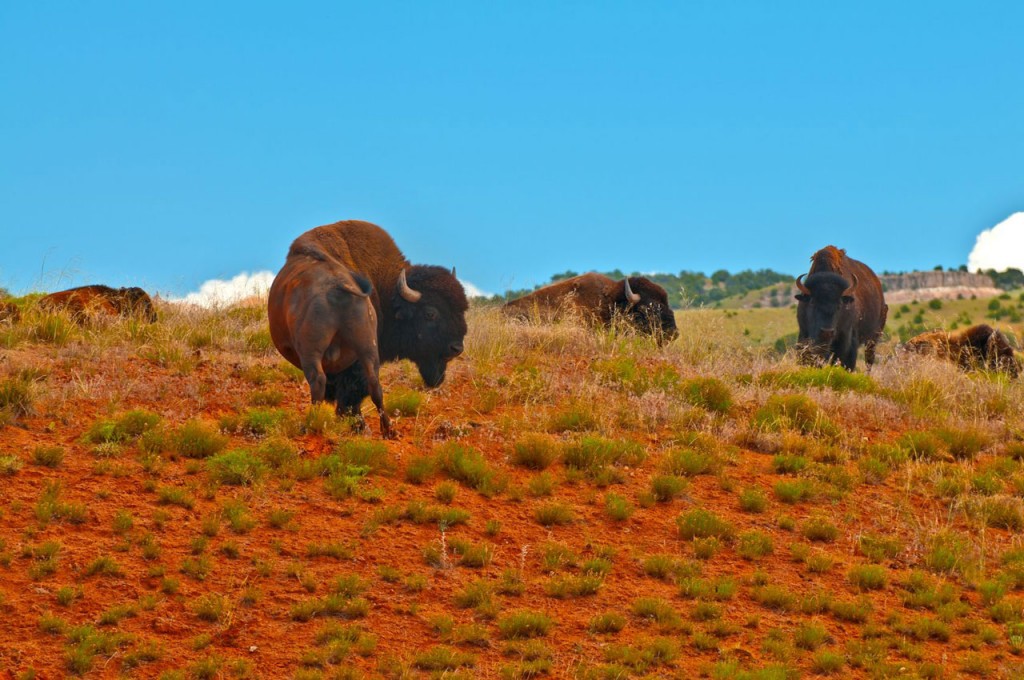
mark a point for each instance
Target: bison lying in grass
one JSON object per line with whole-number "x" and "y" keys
{"x": 972, "y": 348}
{"x": 599, "y": 300}
{"x": 86, "y": 301}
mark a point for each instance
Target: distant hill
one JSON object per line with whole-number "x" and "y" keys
{"x": 768, "y": 288}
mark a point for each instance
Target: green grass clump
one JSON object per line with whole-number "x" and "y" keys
{"x": 753, "y": 545}
{"x": 210, "y": 607}
{"x": 550, "y": 514}
{"x": 104, "y": 566}
{"x": 666, "y": 488}
{"x": 793, "y": 412}
{"x": 868, "y": 576}
{"x": 820, "y": 530}
{"x": 197, "y": 439}
{"x": 468, "y": 466}
{"x": 878, "y": 548}
{"x": 403, "y": 402}
{"x": 472, "y": 554}
{"x": 420, "y": 469}
{"x": 129, "y": 425}
{"x": 830, "y": 377}
{"x": 689, "y": 462}
{"x": 753, "y": 500}
{"x": 443, "y": 660}
{"x": 236, "y": 468}
{"x": 524, "y": 624}
{"x": 48, "y": 456}
{"x": 618, "y": 508}
{"x": 595, "y": 455}
{"x": 16, "y": 396}
{"x": 701, "y": 523}
{"x": 364, "y": 453}
{"x": 572, "y": 419}
{"x": 536, "y": 451}
{"x": 10, "y": 464}
{"x": 609, "y": 622}
{"x": 708, "y": 393}
{"x": 963, "y": 444}
{"x": 793, "y": 491}
{"x": 657, "y": 610}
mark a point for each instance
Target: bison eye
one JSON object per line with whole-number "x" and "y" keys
{"x": 430, "y": 314}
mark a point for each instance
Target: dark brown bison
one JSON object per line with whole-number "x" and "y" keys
{"x": 840, "y": 308}
{"x": 976, "y": 347}
{"x": 600, "y": 299}
{"x": 419, "y": 310}
{"x": 9, "y": 313}
{"x": 85, "y": 301}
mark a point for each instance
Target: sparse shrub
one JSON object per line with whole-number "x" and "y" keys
{"x": 691, "y": 462}
{"x": 820, "y": 529}
{"x": 701, "y": 523}
{"x": 467, "y": 465}
{"x": 793, "y": 411}
{"x": 524, "y": 624}
{"x": 657, "y": 610}
{"x": 16, "y": 396}
{"x": 196, "y": 439}
{"x": 209, "y": 607}
{"x": 550, "y": 514}
{"x": 420, "y": 468}
{"x": 666, "y": 488}
{"x": 609, "y": 622}
{"x": 618, "y": 508}
{"x": 443, "y": 660}
{"x": 572, "y": 419}
{"x": 235, "y": 468}
{"x": 708, "y": 393}
{"x": 10, "y": 464}
{"x": 48, "y": 456}
{"x": 868, "y": 576}
{"x": 793, "y": 491}
{"x": 753, "y": 500}
{"x": 963, "y": 444}
{"x": 403, "y": 402}
{"x": 445, "y": 492}
{"x": 535, "y": 451}
{"x": 753, "y": 545}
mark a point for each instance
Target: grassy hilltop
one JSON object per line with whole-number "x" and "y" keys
{"x": 569, "y": 503}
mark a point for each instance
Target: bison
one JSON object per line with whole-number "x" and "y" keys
{"x": 84, "y": 301}
{"x": 600, "y": 299}
{"x": 415, "y": 312}
{"x": 979, "y": 346}
{"x": 840, "y": 307}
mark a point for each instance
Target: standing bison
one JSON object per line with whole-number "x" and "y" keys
{"x": 599, "y": 299}
{"x": 85, "y": 301}
{"x": 347, "y": 299}
{"x": 979, "y": 346}
{"x": 840, "y": 307}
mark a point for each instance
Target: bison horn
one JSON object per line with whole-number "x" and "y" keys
{"x": 632, "y": 297}
{"x": 405, "y": 291}
{"x": 802, "y": 288}
{"x": 453, "y": 271}
{"x": 849, "y": 291}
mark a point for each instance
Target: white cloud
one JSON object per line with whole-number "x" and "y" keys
{"x": 472, "y": 291}
{"x": 1000, "y": 247}
{"x": 218, "y": 292}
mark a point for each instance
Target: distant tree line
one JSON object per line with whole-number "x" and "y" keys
{"x": 686, "y": 288}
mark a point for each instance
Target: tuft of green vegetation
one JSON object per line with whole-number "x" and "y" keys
{"x": 535, "y": 451}
{"x": 701, "y": 523}
{"x": 793, "y": 412}
{"x": 708, "y": 393}
{"x": 48, "y": 456}
{"x": 827, "y": 377}
{"x": 550, "y": 514}
{"x": 524, "y": 624}
{"x": 468, "y": 466}
{"x": 403, "y": 402}
{"x": 197, "y": 439}
{"x": 236, "y": 468}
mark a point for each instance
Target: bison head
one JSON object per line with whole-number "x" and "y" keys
{"x": 825, "y": 311}
{"x": 430, "y": 319}
{"x": 136, "y": 301}
{"x": 645, "y": 304}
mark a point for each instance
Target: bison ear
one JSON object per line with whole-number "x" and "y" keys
{"x": 802, "y": 297}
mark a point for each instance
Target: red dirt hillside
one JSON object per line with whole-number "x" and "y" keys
{"x": 567, "y": 504}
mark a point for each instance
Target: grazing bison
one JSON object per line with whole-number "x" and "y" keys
{"x": 599, "y": 299}
{"x": 419, "y": 311}
{"x": 87, "y": 300}
{"x": 979, "y": 346}
{"x": 840, "y": 307}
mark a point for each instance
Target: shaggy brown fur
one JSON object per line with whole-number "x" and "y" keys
{"x": 858, "y": 322}
{"x": 972, "y": 348}
{"x": 429, "y": 331}
{"x": 85, "y": 301}
{"x": 598, "y": 299}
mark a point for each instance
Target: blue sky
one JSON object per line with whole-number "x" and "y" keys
{"x": 164, "y": 144}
